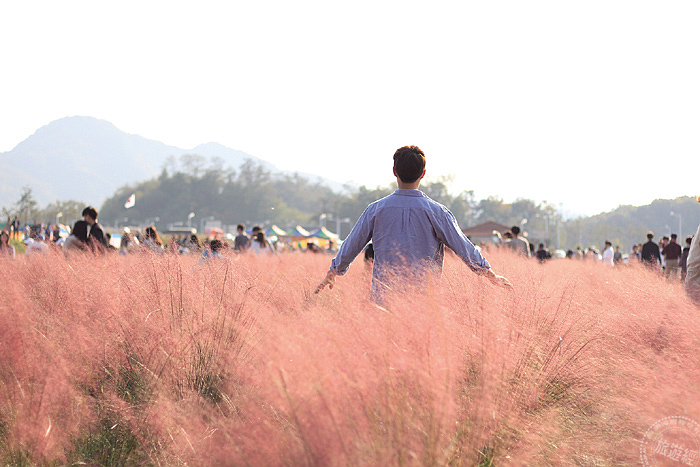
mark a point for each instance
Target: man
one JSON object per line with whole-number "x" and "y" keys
{"x": 96, "y": 238}
{"x": 650, "y": 252}
{"x": 518, "y": 244}
{"x": 692, "y": 278}
{"x": 684, "y": 257}
{"x": 608, "y": 255}
{"x": 241, "y": 242}
{"x": 409, "y": 232}
{"x": 672, "y": 252}
{"x": 617, "y": 257}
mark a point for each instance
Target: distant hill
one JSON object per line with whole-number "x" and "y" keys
{"x": 86, "y": 159}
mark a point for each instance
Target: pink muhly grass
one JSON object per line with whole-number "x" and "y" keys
{"x": 236, "y": 361}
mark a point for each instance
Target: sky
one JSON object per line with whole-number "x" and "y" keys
{"x": 584, "y": 105}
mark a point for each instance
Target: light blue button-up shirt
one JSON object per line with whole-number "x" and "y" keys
{"x": 409, "y": 232}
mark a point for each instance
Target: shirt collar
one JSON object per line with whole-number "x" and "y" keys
{"x": 405, "y": 192}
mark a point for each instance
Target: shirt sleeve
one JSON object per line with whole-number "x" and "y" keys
{"x": 452, "y": 236}
{"x": 355, "y": 242}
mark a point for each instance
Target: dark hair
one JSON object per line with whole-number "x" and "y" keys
{"x": 152, "y": 233}
{"x": 256, "y": 228}
{"x": 195, "y": 241}
{"x": 689, "y": 240}
{"x": 8, "y": 237}
{"x": 241, "y": 227}
{"x": 409, "y": 163}
{"x": 515, "y": 229}
{"x": 650, "y": 235}
{"x": 216, "y": 245}
{"x": 607, "y": 242}
{"x": 674, "y": 236}
{"x": 80, "y": 230}
{"x": 260, "y": 238}
{"x": 90, "y": 211}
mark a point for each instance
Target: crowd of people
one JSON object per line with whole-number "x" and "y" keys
{"x": 668, "y": 257}
{"x": 88, "y": 235}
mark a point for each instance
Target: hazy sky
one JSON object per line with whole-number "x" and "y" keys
{"x": 588, "y": 104}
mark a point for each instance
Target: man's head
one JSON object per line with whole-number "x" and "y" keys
{"x": 90, "y": 215}
{"x": 650, "y": 235}
{"x": 674, "y": 237}
{"x": 516, "y": 230}
{"x": 256, "y": 229}
{"x": 607, "y": 243}
{"x": 240, "y": 228}
{"x": 688, "y": 241}
{"x": 409, "y": 164}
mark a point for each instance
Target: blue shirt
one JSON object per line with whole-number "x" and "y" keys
{"x": 409, "y": 232}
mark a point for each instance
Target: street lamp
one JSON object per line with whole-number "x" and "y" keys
{"x": 58, "y": 216}
{"x": 338, "y": 221}
{"x": 320, "y": 219}
{"x": 680, "y": 225}
{"x": 189, "y": 219}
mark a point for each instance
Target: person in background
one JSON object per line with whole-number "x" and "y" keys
{"x": 193, "y": 244}
{"x": 634, "y": 254}
{"x": 241, "y": 242}
{"x": 517, "y": 244}
{"x": 216, "y": 250}
{"x": 542, "y": 253}
{"x": 126, "y": 244}
{"x": 672, "y": 252}
{"x": 692, "y": 278}
{"x": 6, "y": 250}
{"x": 608, "y": 254}
{"x": 152, "y": 240}
{"x": 36, "y": 244}
{"x": 617, "y": 257}
{"x": 77, "y": 240}
{"x": 260, "y": 245}
{"x": 96, "y": 238}
{"x": 684, "y": 257}
{"x": 651, "y": 255}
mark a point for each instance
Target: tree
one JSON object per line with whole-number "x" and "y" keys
{"x": 70, "y": 211}
{"x": 26, "y": 207}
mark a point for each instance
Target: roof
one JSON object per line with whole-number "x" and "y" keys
{"x": 298, "y": 231}
{"x": 486, "y": 229}
{"x": 324, "y": 233}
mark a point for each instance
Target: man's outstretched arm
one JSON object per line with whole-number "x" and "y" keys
{"x": 356, "y": 241}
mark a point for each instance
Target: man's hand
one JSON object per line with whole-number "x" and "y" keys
{"x": 499, "y": 280}
{"x": 329, "y": 281}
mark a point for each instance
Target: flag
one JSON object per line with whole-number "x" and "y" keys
{"x": 131, "y": 201}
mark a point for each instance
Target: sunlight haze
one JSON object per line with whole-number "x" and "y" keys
{"x": 584, "y": 105}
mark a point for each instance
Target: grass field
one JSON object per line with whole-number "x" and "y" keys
{"x": 146, "y": 360}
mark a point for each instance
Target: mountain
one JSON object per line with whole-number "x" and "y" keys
{"x": 86, "y": 159}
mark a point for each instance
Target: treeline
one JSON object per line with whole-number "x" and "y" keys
{"x": 254, "y": 195}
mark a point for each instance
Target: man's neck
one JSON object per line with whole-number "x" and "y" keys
{"x": 408, "y": 186}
